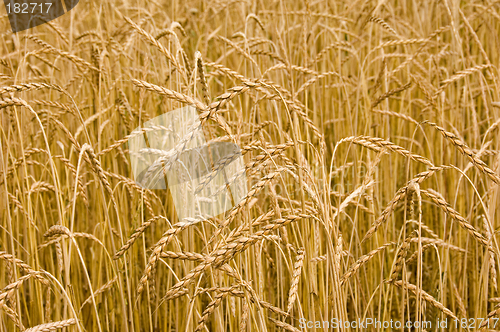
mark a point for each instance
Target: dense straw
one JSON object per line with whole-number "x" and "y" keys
{"x": 369, "y": 132}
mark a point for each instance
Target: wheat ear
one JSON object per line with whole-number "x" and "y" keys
{"x": 466, "y": 151}
{"x": 297, "y": 269}
{"x": 445, "y": 206}
{"x": 158, "y": 248}
{"x": 361, "y": 261}
{"x": 48, "y": 327}
{"x": 24, "y": 267}
{"x": 426, "y": 296}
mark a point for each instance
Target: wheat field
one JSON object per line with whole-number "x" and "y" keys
{"x": 370, "y": 136}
